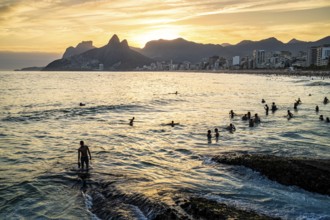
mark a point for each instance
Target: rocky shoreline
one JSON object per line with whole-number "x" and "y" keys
{"x": 201, "y": 208}
{"x": 110, "y": 202}
{"x": 310, "y": 174}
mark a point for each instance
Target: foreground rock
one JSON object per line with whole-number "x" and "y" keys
{"x": 310, "y": 174}
{"x": 110, "y": 202}
{"x": 201, "y": 208}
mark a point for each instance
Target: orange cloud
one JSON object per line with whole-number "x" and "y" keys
{"x": 54, "y": 25}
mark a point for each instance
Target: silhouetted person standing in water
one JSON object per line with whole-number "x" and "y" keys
{"x": 326, "y": 100}
{"x": 274, "y": 107}
{"x": 298, "y": 101}
{"x": 251, "y": 123}
{"x": 290, "y": 115}
{"x": 217, "y": 135}
{"x": 267, "y": 109}
{"x": 317, "y": 108}
{"x": 83, "y": 153}
{"x": 257, "y": 119}
{"x": 327, "y": 119}
{"x": 232, "y": 114}
{"x": 209, "y": 136}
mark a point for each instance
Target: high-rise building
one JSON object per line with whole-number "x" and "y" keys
{"x": 236, "y": 61}
{"x": 319, "y": 55}
{"x": 259, "y": 57}
{"x": 312, "y": 56}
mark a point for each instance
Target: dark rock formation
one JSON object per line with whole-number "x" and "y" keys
{"x": 115, "y": 55}
{"x": 109, "y": 202}
{"x": 80, "y": 48}
{"x": 310, "y": 174}
{"x": 201, "y": 208}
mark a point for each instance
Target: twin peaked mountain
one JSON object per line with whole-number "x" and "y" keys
{"x": 115, "y": 55}
{"x": 118, "y": 55}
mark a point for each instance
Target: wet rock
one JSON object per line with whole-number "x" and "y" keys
{"x": 110, "y": 202}
{"x": 201, "y": 208}
{"x": 310, "y": 174}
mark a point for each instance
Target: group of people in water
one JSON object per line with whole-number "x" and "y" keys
{"x": 256, "y": 119}
{"x": 84, "y": 152}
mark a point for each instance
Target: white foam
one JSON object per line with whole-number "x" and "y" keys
{"x": 89, "y": 204}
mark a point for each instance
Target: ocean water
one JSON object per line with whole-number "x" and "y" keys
{"x": 151, "y": 163}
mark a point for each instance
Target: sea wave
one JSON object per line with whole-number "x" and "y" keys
{"x": 69, "y": 113}
{"x": 318, "y": 83}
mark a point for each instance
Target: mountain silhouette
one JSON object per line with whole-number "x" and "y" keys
{"x": 80, "y": 48}
{"x": 115, "y": 55}
{"x": 182, "y": 50}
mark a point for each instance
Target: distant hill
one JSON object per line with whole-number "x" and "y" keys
{"x": 182, "y": 50}
{"x": 80, "y": 48}
{"x": 115, "y": 55}
{"x": 32, "y": 68}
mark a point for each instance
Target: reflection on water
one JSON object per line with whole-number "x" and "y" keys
{"x": 149, "y": 163}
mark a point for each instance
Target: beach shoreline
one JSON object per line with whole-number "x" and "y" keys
{"x": 294, "y": 73}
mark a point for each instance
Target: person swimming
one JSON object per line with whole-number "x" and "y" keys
{"x": 231, "y": 128}
{"x": 263, "y": 101}
{"x": 81, "y": 104}
{"x": 266, "y": 108}
{"x": 245, "y": 117}
{"x": 290, "y": 115}
{"x": 321, "y": 117}
{"x": 173, "y": 124}
{"x": 317, "y": 108}
{"x": 274, "y": 107}
{"x": 131, "y": 121}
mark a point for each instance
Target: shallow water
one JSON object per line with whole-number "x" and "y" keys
{"x": 42, "y": 124}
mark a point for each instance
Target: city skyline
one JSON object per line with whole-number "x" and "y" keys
{"x": 52, "y": 26}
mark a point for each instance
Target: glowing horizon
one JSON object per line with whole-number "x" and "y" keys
{"x": 52, "y": 26}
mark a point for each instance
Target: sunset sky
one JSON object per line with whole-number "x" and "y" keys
{"x": 53, "y": 25}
